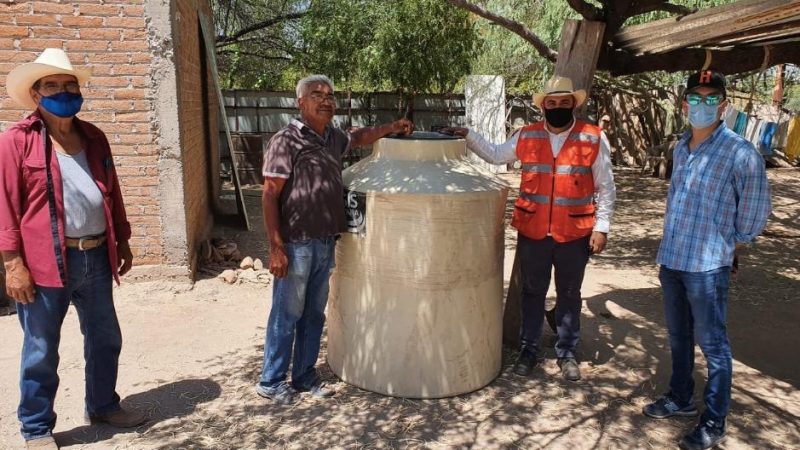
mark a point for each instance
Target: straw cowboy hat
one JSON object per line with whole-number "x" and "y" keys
{"x": 559, "y": 86}
{"x": 52, "y": 61}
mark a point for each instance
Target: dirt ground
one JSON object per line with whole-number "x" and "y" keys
{"x": 192, "y": 355}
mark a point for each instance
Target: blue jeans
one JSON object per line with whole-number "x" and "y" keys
{"x": 89, "y": 289}
{"x": 298, "y": 313}
{"x": 695, "y": 306}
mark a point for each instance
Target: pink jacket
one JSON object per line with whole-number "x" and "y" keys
{"x": 24, "y": 207}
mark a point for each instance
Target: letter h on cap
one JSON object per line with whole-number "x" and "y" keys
{"x": 705, "y": 77}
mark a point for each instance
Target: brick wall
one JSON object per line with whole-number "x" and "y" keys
{"x": 198, "y": 124}
{"x": 117, "y": 39}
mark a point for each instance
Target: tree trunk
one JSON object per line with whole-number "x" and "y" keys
{"x": 581, "y": 43}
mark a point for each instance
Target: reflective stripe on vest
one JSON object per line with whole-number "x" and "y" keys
{"x": 584, "y": 137}
{"x": 535, "y": 134}
{"x": 573, "y": 170}
{"x": 535, "y": 198}
{"x": 566, "y": 201}
{"x": 536, "y": 168}
{"x": 556, "y": 191}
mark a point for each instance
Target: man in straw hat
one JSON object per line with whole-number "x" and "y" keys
{"x": 63, "y": 237}
{"x": 563, "y": 214}
{"x": 718, "y": 201}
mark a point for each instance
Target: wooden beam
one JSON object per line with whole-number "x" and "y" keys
{"x": 772, "y": 32}
{"x": 693, "y": 29}
{"x": 774, "y": 42}
{"x": 665, "y": 25}
{"x": 736, "y": 60}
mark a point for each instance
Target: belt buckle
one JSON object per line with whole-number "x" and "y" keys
{"x": 80, "y": 243}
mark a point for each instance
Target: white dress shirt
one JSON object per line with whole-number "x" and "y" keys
{"x": 605, "y": 193}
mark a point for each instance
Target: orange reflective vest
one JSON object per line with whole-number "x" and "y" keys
{"x": 556, "y": 197}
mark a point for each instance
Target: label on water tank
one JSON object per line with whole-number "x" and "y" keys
{"x": 355, "y": 210}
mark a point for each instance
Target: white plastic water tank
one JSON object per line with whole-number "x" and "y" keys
{"x": 417, "y": 292}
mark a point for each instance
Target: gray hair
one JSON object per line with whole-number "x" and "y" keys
{"x": 303, "y": 84}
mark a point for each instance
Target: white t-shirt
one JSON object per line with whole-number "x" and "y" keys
{"x": 84, "y": 214}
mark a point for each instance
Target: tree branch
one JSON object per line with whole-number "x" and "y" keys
{"x": 225, "y": 40}
{"x": 255, "y": 55}
{"x": 511, "y": 25}
{"x": 587, "y": 10}
{"x": 268, "y": 41}
{"x": 659, "y": 5}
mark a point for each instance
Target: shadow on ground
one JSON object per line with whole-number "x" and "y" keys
{"x": 166, "y": 402}
{"x": 625, "y": 364}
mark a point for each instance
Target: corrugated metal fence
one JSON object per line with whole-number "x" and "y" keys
{"x": 254, "y": 116}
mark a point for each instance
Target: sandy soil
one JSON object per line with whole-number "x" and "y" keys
{"x": 192, "y": 354}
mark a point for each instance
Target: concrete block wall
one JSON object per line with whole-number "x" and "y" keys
{"x": 136, "y": 51}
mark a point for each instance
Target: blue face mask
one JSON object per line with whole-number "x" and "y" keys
{"x": 702, "y": 115}
{"x": 63, "y": 104}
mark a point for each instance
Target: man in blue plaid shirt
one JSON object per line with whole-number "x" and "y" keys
{"x": 718, "y": 201}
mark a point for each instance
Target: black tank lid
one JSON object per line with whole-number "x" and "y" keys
{"x": 424, "y": 136}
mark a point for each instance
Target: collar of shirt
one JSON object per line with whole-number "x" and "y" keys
{"x": 557, "y": 139}
{"x": 683, "y": 145}
{"x": 35, "y": 122}
{"x": 300, "y": 125}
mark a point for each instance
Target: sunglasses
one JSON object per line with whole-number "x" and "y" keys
{"x": 710, "y": 100}
{"x": 51, "y": 87}
{"x": 320, "y": 97}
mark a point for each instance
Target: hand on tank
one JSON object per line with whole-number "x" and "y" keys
{"x": 455, "y": 131}
{"x": 402, "y": 127}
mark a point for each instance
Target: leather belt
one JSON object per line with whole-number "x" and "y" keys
{"x": 85, "y": 243}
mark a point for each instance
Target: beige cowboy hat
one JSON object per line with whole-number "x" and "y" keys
{"x": 559, "y": 86}
{"x": 52, "y": 61}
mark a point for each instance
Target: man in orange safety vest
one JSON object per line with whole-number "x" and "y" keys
{"x": 563, "y": 214}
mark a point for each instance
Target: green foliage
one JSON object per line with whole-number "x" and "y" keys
{"x": 505, "y": 53}
{"x": 409, "y": 45}
{"x": 416, "y": 45}
{"x": 259, "y": 58}
{"x": 335, "y": 34}
{"x": 791, "y": 95}
{"x": 423, "y": 46}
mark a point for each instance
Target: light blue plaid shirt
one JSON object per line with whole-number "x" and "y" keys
{"x": 718, "y": 196}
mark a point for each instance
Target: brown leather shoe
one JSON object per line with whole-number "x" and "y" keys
{"x": 120, "y": 418}
{"x": 45, "y": 443}
{"x": 570, "y": 369}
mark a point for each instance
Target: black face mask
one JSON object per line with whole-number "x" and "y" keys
{"x": 558, "y": 117}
